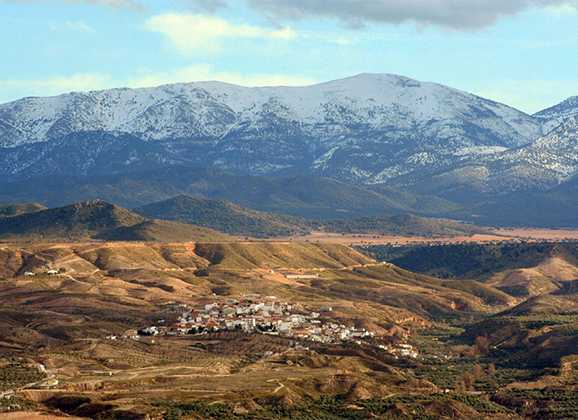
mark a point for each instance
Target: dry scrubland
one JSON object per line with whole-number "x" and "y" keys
{"x": 492, "y": 235}
{"x": 62, "y": 321}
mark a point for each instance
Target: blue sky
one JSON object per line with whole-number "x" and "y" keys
{"x": 521, "y": 52}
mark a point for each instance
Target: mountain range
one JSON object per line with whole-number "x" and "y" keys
{"x": 186, "y": 218}
{"x": 302, "y": 196}
{"x": 370, "y": 132}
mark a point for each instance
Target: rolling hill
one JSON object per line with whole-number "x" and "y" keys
{"x": 302, "y": 196}
{"x": 96, "y": 220}
{"x": 162, "y": 231}
{"x": 8, "y": 210}
{"x": 224, "y": 216}
{"x": 403, "y": 225}
{"x": 520, "y": 269}
{"x": 539, "y": 332}
{"x": 233, "y": 219}
{"x": 81, "y": 325}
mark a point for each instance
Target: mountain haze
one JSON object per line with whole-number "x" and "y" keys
{"x": 303, "y": 196}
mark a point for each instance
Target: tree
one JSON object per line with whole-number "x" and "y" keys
{"x": 491, "y": 369}
{"x": 482, "y": 345}
{"x": 478, "y": 372}
{"x": 468, "y": 381}
{"x": 459, "y": 386}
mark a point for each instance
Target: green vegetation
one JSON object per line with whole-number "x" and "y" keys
{"x": 163, "y": 231}
{"x": 470, "y": 261}
{"x": 407, "y": 406}
{"x": 9, "y": 210}
{"x": 303, "y": 196}
{"x": 15, "y": 403}
{"x": 76, "y": 221}
{"x": 230, "y": 218}
{"x": 98, "y": 220}
{"x": 16, "y": 373}
{"x": 547, "y": 403}
{"x": 225, "y": 217}
{"x": 403, "y": 225}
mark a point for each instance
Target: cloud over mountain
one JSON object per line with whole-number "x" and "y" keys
{"x": 128, "y": 4}
{"x": 189, "y": 32}
{"x": 455, "y": 14}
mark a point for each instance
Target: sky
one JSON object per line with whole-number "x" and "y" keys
{"x": 520, "y": 52}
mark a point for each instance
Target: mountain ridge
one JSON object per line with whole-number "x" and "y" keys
{"x": 454, "y": 153}
{"x": 224, "y": 216}
{"x": 96, "y": 219}
{"x": 366, "y": 129}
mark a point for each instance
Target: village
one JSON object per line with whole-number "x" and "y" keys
{"x": 253, "y": 314}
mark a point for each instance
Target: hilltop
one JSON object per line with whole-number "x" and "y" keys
{"x": 403, "y": 225}
{"x": 224, "y": 216}
{"x": 519, "y": 269}
{"x": 95, "y": 220}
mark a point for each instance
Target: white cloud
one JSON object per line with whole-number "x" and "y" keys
{"x": 117, "y": 4}
{"x": 14, "y": 89}
{"x": 205, "y": 72}
{"x": 189, "y": 33}
{"x": 563, "y": 9}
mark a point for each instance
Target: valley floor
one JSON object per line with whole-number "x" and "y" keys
{"x": 494, "y": 235}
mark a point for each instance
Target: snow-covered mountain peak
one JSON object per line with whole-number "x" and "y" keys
{"x": 200, "y": 109}
{"x": 554, "y": 115}
{"x": 368, "y": 128}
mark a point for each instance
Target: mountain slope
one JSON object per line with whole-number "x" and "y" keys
{"x": 223, "y": 216}
{"x": 74, "y": 221}
{"x": 519, "y": 269}
{"x": 403, "y": 225}
{"x": 162, "y": 231}
{"x": 304, "y": 196}
{"x": 542, "y": 165}
{"x": 556, "y": 114}
{"x": 95, "y": 220}
{"x": 9, "y": 210}
{"x": 556, "y": 153}
{"x": 367, "y": 128}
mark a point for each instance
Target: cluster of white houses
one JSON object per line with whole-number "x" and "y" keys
{"x": 253, "y": 314}
{"x": 48, "y": 271}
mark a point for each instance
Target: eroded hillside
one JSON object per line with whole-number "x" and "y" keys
{"x": 85, "y": 311}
